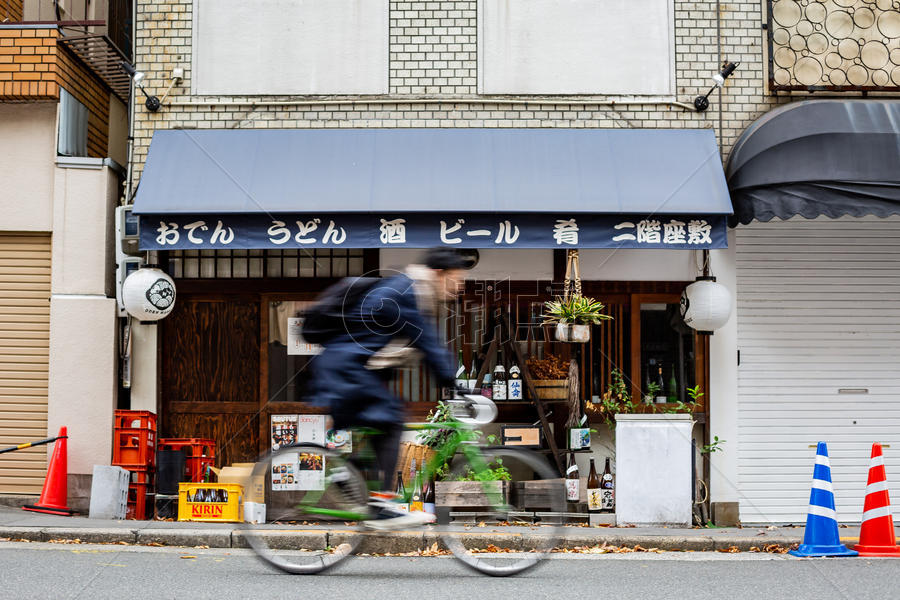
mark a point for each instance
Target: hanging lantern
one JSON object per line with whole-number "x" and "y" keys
{"x": 706, "y": 305}
{"x": 148, "y": 294}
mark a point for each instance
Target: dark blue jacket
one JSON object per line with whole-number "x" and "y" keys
{"x": 358, "y": 396}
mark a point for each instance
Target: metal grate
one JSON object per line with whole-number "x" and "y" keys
{"x": 270, "y": 264}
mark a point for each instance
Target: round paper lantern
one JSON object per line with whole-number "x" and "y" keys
{"x": 148, "y": 294}
{"x": 705, "y": 305}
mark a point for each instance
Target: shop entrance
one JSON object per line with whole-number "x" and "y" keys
{"x": 210, "y": 368}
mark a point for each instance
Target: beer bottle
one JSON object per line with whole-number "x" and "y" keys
{"x": 416, "y": 498}
{"x": 461, "y": 381}
{"x": 572, "y": 480}
{"x": 428, "y": 502}
{"x": 608, "y": 486}
{"x": 402, "y": 501}
{"x": 594, "y": 493}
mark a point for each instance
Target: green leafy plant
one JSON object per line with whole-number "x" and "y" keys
{"x": 650, "y": 393}
{"x": 495, "y": 471}
{"x": 616, "y": 399}
{"x": 576, "y": 309}
{"x": 435, "y": 438}
{"x": 713, "y": 446}
{"x": 686, "y": 407}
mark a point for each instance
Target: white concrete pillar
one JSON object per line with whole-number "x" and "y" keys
{"x": 143, "y": 366}
{"x": 723, "y": 384}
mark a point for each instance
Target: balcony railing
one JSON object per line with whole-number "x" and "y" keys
{"x": 77, "y": 18}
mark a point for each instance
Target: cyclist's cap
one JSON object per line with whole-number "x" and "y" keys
{"x": 450, "y": 258}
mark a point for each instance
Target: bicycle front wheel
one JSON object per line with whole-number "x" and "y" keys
{"x": 501, "y": 538}
{"x": 315, "y": 500}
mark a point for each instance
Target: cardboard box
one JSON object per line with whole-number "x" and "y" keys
{"x": 254, "y": 491}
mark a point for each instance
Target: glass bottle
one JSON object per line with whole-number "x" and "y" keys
{"x": 608, "y": 489}
{"x": 402, "y": 502}
{"x": 515, "y": 383}
{"x": 594, "y": 493}
{"x": 572, "y": 480}
{"x": 461, "y": 381}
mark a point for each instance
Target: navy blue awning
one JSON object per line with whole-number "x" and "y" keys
{"x": 252, "y": 179}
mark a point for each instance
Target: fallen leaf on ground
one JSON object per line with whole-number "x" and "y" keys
{"x": 187, "y": 556}
{"x": 60, "y": 541}
{"x": 201, "y": 547}
{"x": 729, "y": 549}
{"x": 153, "y": 544}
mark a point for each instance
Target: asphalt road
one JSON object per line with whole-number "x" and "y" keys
{"x": 37, "y": 571}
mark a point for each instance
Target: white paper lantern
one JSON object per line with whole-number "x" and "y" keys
{"x": 148, "y": 294}
{"x": 706, "y": 305}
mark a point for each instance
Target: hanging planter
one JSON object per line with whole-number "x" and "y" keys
{"x": 574, "y": 314}
{"x": 570, "y": 332}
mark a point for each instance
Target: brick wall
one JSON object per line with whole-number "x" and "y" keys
{"x": 33, "y": 66}
{"x": 11, "y": 10}
{"x": 433, "y": 54}
{"x": 433, "y": 47}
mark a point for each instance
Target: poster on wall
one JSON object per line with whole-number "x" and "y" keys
{"x": 339, "y": 439}
{"x": 284, "y": 430}
{"x": 311, "y": 429}
{"x": 296, "y": 344}
{"x": 285, "y": 470}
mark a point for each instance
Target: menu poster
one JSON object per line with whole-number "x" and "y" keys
{"x": 311, "y": 471}
{"x": 285, "y": 472}
{"x": 339, "y": 439}
{"x": 311, "y": 428}
{"x": 284, "y": 431}
{"x": 296, "y": 344}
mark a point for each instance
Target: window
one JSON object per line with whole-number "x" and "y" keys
{"x": 291, "y": 47}
{"x": 613, "y": 47}
{"x": 73, "y": 126}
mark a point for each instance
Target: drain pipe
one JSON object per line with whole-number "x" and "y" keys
{"x": 129, "y": 174}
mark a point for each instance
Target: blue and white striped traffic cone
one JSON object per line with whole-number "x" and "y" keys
{"x": 821, "y": 537}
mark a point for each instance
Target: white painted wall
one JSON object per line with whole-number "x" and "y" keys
{"x": 614, "y": 47}
{"x": 82, "y": 386}
{"x": 27, "y": 148}
{"x": 290, "y": 47}
{"x": 144, "y": 366}
{"x": 638, "y": 265}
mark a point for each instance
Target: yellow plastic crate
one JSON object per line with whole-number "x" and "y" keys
{"x": 215, "y": 502}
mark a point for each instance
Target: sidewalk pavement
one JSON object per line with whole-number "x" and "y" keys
{"x": 16, "y": 524}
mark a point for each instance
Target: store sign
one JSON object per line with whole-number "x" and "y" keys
{"x": 424, "y": 230}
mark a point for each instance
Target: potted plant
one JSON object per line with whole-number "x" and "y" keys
{"x": 574, "y": 316}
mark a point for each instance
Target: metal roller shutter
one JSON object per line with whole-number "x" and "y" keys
{"x": 24, "y": 349}
{"x": 818, "y": 309}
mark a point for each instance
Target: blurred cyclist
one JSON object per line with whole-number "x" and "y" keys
{"x": 392, "y": 325}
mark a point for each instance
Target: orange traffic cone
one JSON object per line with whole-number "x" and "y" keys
{"x": 55, "y": 492}
{"x": 876, "y": 537}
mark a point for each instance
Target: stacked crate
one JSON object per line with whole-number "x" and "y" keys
{"x": 199, "y": 455}
{"x": 134, "y": 449}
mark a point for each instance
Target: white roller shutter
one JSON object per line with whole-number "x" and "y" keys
{"x": 24, "y": 349}
{"x": 818, "y": 309}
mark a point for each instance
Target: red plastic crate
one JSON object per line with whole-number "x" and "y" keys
{"x": 134, "y": 448}
{"x": 199, "y": 454}
{"x": 140, "y": 502}
{"x": 135, "y": 419}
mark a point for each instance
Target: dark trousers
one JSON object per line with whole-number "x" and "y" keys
{"x": 386, "y": 447}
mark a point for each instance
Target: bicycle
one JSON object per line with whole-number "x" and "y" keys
{"x": 343, "y": 496}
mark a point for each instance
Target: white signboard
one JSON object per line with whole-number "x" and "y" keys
{"x": 296, "y": 344}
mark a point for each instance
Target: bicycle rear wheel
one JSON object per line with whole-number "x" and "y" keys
{"x": 504, "y": 539}
{"x": 302, "y": 523}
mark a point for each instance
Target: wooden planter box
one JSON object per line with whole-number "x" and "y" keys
{"x": 552, "y": 389}
{"x": 535, "y": 495}
{"x": 469, "y": 493}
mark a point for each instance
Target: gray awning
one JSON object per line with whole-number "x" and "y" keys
{"x": 818, "y": 157}
{"x": 640, "y": 171}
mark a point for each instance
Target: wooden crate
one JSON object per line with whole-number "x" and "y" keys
{"x": 531, "y": 495}
{"x": 470, "y": 493}
{"x": 551, "y": 389}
